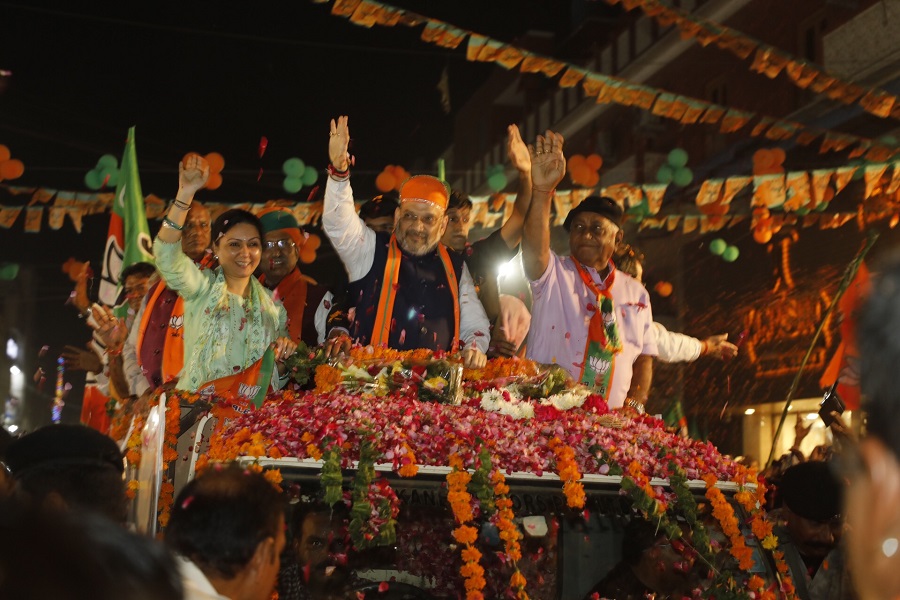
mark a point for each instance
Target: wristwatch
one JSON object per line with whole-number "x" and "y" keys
{"x": 632, "y": 403}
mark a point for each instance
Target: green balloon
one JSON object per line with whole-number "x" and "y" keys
{"x": 292, "y": 185}
{"x": 293, "y": 167}
{"x": 665, "y": 174}
{"x": 642, "y": 209}
{"x": 109, "y": 177}
{"x": 309, "y": 176}
{"x": 494, "y": 170}
{"x": 731, "y": 254}
{"x": 718, "y": 246}
{"x": 802, "y": 211}
{"x": 821, "y": 207}
{"x": 108, "y": 160}
{"x": 9, "y": 271}
{"x": 497, "y": 181}
{"x": 682, "y": 176}
{"x": 678, "y": 158}
{"x": 93, "y": 180}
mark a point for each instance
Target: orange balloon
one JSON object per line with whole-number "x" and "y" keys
{"x": 307, "y": 255}
{"x": 762, "y": 234}
{"x": 4, "y": 153}
{"x": 592, "y": 179}
{"x": 216, "y": 162}
{"x": 778, "y": 156}
{"x": 11, "y": 169}
{"x": 664, "y": 289}
{"x": 576, "y": 162}
{"x": 312, "y": 242}
{"x": 214, "y": 181}
{"x": 594, "y": 161}
{"x": 385, "y": 181}
{"x": 761, "y": 212}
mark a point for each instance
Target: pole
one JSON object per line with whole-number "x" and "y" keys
{"x": 442, "y": 170}
{"x": 849, "y": 274}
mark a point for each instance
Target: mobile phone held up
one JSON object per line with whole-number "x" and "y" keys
{"x": 831, "y": 403}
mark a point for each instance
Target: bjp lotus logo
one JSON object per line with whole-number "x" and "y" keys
{"x": 208, "y": 392}
{"x": 248, "y": 391}
{"x": 176, "y": 322}
{"x": 599, "y": 365}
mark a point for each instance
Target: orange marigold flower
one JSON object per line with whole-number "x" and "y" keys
{"x": 517, "y": 580}
{"x": 465, "y": 534}
{"x": 274, "y": 477}
{"x": 471, "y": 555}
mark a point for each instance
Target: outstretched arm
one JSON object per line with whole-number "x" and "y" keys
{"x": 548, "y": 165}
{"x": 353, "y": 241}
{"x": 511, "y": 231}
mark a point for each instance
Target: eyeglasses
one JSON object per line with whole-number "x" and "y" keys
{"x": 598, "y": 230}
{"x": 280, "y": 244}
{"x": 410, "y": 218}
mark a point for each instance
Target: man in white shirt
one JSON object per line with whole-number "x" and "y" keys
{"x": 227, "y": 527}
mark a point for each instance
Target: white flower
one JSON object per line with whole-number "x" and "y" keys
{"x": 572, "y": 398}
{"x": 495, "y": 401}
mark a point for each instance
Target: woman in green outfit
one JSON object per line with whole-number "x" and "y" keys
{"x": 230, "y": 319}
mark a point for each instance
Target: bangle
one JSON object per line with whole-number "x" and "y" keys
{"x": 632, "y": 403}
{"x": 167, "y": 222}
{"x": 114, "y": 352}
{"x": 337, "y": 174}
{"x": 185, "y": 206}
{"x": 704, "y": 348}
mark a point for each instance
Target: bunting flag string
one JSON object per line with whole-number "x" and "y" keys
{"x": 768, "y": 61}
{"x": 607, "y": 89}
{"x": 799, "y": 194}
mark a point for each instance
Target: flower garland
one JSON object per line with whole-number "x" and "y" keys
{"x": 502, "y": 368}
{"x": 509, "y": 533}
{"x": 461, "y": 503}
{"x": 568, "y": 473}
{"x": 407, "y": 458}
{"x": 373, "y": 514}
{"x": 170, "y": 454}
{"x": 724, "y": 514}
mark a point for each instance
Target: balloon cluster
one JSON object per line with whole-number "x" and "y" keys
{"x": 676, "y": 170}
{"x": 720, "y": 248}
{"x": 104, "y": 174}
{"x": 496, "y": 178}
{"x": 584, "y": 170}
{"x": 216, "y": 163}
{"x": 297, "y": 174}
{"x": 391, "y": 178}
{"x": 768, "y": 162}
{"x": 10, "y": 168}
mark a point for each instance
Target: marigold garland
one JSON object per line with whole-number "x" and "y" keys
{"x": 509, "y": 533}
{"x": 567, "y": 469}
{"x": 461, "y": 503}
{"x": 170, "y": 454}
{"x": 724, "y": 514}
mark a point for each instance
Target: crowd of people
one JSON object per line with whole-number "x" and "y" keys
{"x": 225, "y": 294}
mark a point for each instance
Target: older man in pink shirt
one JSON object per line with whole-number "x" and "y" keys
{"x": 589, "y": 318}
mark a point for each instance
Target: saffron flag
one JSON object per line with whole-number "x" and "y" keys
{"x": 844, "y": 365}
{"x": 128, "y": 240}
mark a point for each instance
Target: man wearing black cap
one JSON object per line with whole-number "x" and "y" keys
{"x": 589, "y": 318}
{"x": 378, "y": 213}
{"x": 69, "y": 466}
{"x": 811, "y": 506}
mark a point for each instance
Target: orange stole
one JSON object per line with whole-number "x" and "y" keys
{"x": 382, "y": 331}
{"x": 173, "y": 348}
{"x": 292, "y": 291}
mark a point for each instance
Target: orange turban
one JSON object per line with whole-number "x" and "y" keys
{"x": 425, "y": 188}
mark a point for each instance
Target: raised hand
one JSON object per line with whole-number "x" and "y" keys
{"x": 548, "y": 165}
{"x": 109, "y": 327}
{"x": 517, "y": 150}
{"x": 78, "y": 359}
{"x": 193, "y": 172}
{"x": 473, "y": 358}
{"x": 339, "y": 144}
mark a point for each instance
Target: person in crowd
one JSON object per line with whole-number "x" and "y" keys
{"x": 228, "y": 530}
{"x": 110, "y": 333}
{"x": 873, "y": 467}
{"x": 153, "y": 354}
{"x": 69, "y": 467}
{"x": 378, "y": 213}
{"x": 410, "y": 292}
{"x": 51, "y": 555}
{"x": 811, "y": 506}
{"x": 230, "y": 318}
{"x": 674, "y": 347}
{"x": 651, "y": 564}
{"x": 591, "y": 319}
{"x": 485, "y": 257}
{"x": 306, "y": 302}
